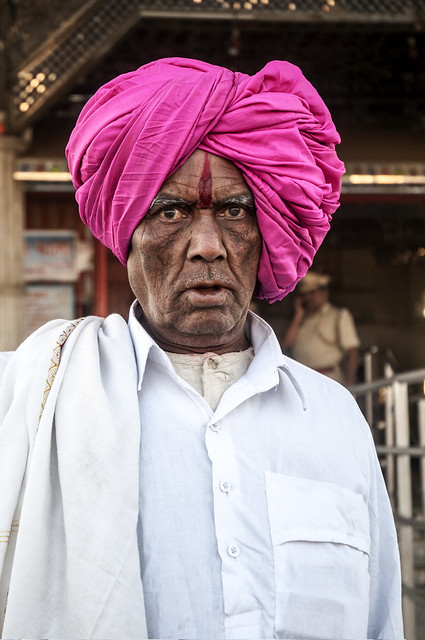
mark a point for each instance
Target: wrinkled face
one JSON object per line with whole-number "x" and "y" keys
{"x": 194, "y": 258}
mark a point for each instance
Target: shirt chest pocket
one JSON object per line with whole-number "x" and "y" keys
{"x": 320, "y": 537}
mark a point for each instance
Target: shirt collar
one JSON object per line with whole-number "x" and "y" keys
{"x": 262, "y": 374}
{"x": 324, "y": 308}
{"x": 269, "y": 356}
{"x": 144, "y": 346}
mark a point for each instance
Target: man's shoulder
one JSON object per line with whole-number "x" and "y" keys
{"x": 331, "y": 309}
{"x": 340, "y": 317}
{"x": 55, "y": 333}
{"x": 335, "y": 310}
{"x": 31, "y": 348}
{"x": 4, "y": 360}
{"x": 328, "y": 402}
{"x": 317, "y": 385}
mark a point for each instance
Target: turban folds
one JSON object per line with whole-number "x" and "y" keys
{"x": 140, "y": 127}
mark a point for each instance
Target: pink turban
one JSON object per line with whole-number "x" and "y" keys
{"x": 139, "y": 128}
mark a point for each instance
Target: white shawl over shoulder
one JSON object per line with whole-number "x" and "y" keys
{"x": 69, "y": 485}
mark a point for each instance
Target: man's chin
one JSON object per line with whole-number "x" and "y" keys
{"x": 211, "y": 326}
{"x": 197, "y": 330}
{"x": 210, "y": 320}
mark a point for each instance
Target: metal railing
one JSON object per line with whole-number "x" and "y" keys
{"x": 394, "y": 407}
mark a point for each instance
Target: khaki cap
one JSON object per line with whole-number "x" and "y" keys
{"x": 313, "y": 281}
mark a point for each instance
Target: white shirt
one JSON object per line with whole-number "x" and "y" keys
{"x": 268, "y": 517}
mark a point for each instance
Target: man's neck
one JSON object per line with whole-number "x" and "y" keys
{"x": 196, "y": 344}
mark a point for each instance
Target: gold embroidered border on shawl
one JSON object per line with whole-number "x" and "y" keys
{"x": 54, "y": 361}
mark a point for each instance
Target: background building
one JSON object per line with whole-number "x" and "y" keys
{"x": 366, "y": 58}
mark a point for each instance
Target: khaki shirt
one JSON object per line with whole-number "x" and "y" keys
{"x": 323, "y": 338}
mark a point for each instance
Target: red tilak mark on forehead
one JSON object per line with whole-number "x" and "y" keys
{"x": 205, "y": 185}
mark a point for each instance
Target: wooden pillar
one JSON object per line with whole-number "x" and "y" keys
{"x": 100, "y": 280}
{"x": 12, "y": 223}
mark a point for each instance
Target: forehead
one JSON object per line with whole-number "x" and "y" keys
{"x": 201, "y": 168}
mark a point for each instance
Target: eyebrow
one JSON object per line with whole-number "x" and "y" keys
{"x": 164, "y": 200}
{"x": 244, "y": 200}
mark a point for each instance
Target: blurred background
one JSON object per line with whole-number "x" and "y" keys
{"x": 367, "y": 60}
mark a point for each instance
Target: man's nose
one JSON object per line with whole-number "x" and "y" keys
{"x": 206, "y": 240}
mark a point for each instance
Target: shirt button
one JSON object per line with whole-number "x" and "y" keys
{"x": 215, "y": 426}
{"x": 233, "y": 550}
{"x": 225, "y": 486}
{"x": 212, "y": 363}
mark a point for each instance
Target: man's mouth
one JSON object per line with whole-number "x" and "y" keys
{"x": 207, "y": 288}
{"x": 207, "y": 293}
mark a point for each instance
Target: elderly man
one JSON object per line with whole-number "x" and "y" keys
{"x": 321, "y": 335}
{"x": 178, "y": 477}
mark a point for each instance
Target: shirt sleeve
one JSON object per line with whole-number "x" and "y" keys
{"x": 348, "y": 337}
{"x": 385, "y": 614}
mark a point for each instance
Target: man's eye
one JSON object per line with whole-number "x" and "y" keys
{"x": 171, "y": 213}
{"x": 235, "y": 212}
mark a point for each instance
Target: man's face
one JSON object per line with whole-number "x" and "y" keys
{"x": 314, "y": 300}
{"x": 194, "y": 257}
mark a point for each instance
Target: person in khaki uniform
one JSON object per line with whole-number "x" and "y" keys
{"x": 321, "y": 335}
